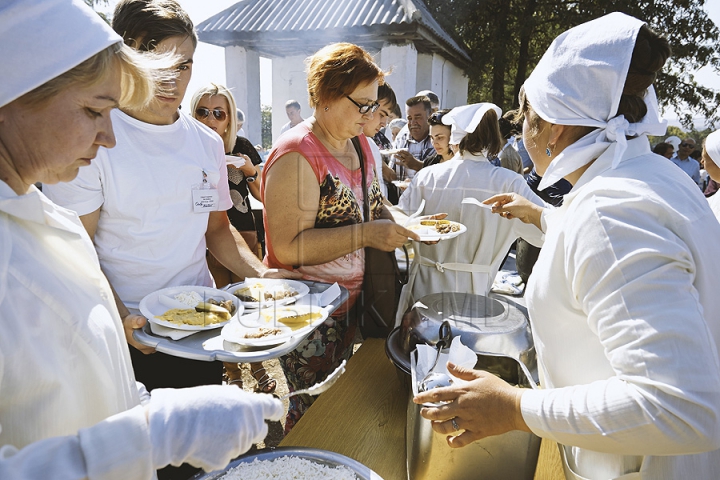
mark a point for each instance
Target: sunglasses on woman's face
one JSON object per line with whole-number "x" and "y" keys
{"x": 203, "y": 113}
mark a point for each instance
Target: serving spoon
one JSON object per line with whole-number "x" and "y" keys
{"x": 319, "y": 388}
{"x": 417, "y": 212}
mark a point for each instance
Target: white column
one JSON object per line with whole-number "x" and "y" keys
{"x": 403, "y": 59}
{"x": 424, "y": 72}
{"x": 437, "y": 82}
{"x": 242, "y": 69}
{"x": 455, "y": 86}
{"x": 289, "y": 82}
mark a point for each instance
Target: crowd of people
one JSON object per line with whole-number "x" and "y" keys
{"x": 620, "y": 240}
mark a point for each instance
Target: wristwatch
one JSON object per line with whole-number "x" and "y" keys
{"x": 253, "y": 178}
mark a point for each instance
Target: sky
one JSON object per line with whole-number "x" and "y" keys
{"x": 209, "y": 61}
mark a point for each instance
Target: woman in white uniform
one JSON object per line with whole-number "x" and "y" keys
{"x": 69, "y": 404}
{"x": 469, "y": 262}
{"x": 711, "y": 160}
{"x": 623, "y": 300}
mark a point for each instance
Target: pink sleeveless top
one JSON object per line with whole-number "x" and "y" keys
{"x": 341, "y": 204}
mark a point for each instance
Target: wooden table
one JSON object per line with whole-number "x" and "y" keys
{"x": 363, "y": 417}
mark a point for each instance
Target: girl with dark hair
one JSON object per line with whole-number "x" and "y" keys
{"x": 623, "y": 298}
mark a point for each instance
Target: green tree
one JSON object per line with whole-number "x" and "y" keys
{"x": 266, "y": 126}
{"x": 506, "y": 38}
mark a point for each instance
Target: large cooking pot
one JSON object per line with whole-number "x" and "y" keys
{"x": 496, "y": 328}
{"x": 486, "y": 324}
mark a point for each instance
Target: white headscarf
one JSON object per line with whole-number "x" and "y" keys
{"x": 41, "y": 39}
{"x": 579, "y": 81}
{"x": 465, "y": 119}
{"x": 712, "y": 146}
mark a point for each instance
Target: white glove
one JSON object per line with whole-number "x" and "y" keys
{"x": 207, "y": 426}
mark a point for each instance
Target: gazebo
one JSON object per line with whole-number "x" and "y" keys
{"x": 401, "y": 34}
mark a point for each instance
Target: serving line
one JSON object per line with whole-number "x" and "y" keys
{"x": 209, "y": 346}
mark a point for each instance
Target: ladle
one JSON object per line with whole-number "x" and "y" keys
{"x": 432, "y": 379}
{"x": 319, "y": 388}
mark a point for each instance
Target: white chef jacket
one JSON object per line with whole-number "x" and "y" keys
{"x": 624, "y": 304}
{"x": 69, "y": 404}
{"x": 148, "y": 236}
{"x": 469, "y": 262}
{"x": 714, "y": 202}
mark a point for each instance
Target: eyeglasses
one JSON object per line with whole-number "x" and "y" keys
{"x": 203, "y": 112}
{"x": 436, "y": 118}
{"x": 687, "y": 145}
{"x": 372, "y": 108}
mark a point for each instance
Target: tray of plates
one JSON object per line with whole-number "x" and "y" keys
{"x": 210, "y": 345}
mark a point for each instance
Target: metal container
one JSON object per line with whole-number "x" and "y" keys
{"x": 498, "y": 331}
{"x": 323, "y": 457}
{"x": 489, "y": 324}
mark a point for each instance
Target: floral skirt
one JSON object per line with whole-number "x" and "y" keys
{"x": 314, "y": 359}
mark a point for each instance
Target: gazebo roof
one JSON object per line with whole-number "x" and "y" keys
{"x": 279, "y": 28}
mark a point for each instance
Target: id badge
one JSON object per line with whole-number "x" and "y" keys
{"x": 205, "y": 197}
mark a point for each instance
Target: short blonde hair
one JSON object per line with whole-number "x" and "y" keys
{"x": 141, "y": 76}
{"x": 337, "y": 70}
{"x": 230, "y": 134}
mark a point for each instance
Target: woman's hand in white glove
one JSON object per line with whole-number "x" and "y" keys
{"x": 207, "y": 426}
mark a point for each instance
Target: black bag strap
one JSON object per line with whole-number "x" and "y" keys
{"x": 366, "y": 208}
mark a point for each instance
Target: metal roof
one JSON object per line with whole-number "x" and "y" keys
{"x": 279, "y": 28}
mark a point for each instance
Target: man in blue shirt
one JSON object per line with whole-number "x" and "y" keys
{"x": 683, "y": 160}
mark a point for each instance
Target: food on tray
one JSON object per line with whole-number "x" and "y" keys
{"x": 288, "y": 467}
{"x": 218, "y": 308}
{"x": 260, "y": 292}
{"x": 263, "y": 332}
{"x": 299, "y": 321}
{"x": 191, "y": 316}
{"x": 189, "y": 298}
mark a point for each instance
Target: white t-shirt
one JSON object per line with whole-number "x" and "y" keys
{"x": 714, "y": 202}
{"x": 148, "y": 236}
{"x": 377, "y": 158}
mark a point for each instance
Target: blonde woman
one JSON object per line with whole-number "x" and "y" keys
{"x": 215, "y": 107}
{"x": 70, "y": 406}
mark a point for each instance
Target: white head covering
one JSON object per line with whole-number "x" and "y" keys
{"x": 465, "y": 119}
{"x": 674, "y": 141}
{"x": 579, "y": 81}
{"x": 712, "y": 146}
{"x": 41, "y": 39}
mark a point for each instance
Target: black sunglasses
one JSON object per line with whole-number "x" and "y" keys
{"x": 365, "y": 108}
{"x": 203, "y": 112}
{"x": 687, "y": 145}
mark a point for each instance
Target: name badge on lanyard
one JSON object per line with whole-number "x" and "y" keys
{"x": 205, "y": 196}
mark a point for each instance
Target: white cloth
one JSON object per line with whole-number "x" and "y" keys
{"x": 378, "y": 166}
{"x": 148, "y": 236}
{"x": 712, "y": 146}
{"x": 208, "y": 426}
{"x": 579, "y": 81}
{"x": 64, "y": 361}
{"x": 714, "y": 202}
{"x": 623, "y": 303}
{"x": 30, "y": 32}
{"x": 466, "y": 118}
{"x": 487, "y": 240}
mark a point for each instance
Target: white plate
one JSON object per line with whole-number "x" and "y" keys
{"x": 238, "y": 327}
{"x": 163, "y": 300}
{"x": 270, "y": 284}
{"x": 430, "y": 234}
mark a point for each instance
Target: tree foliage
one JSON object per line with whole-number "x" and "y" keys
{"x": 506, "y": 38}
{"x": 266, "y": 126}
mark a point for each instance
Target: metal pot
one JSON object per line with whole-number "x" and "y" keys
{"x": 489, "y": 324}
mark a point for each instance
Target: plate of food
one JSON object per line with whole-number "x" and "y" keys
{"x": 193, "y": 308}
{"x": 433, "y": 230}
{"x": 273, "y": 325}
{"x": 257, "y": 292}
{"x": 393, "y": 151}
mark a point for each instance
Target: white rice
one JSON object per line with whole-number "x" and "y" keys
{"x": 288, "y": 468}
{"x": 191, "y": 299}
